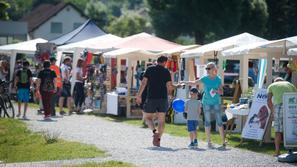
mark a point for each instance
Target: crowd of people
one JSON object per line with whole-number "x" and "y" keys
{"x": 158, "y": 85}
{"x": 52, "y": 86}
{"x": 155, "y": 89}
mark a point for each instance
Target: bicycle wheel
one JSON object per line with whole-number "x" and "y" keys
{"x": 9, "y": 107}
{"x": 2, "y": 108}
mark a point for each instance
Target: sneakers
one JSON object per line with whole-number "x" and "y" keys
{"x": 156, "y": 139}
{"x": 25, "y": 118}
{"x": 47, "y": 118}
{"x": 195, "y": 144}
{"x": 18, "y": 115}
{"x": 191, "y": 145}
{"x": 62, "y": 112}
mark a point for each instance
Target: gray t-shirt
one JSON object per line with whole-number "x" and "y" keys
{"x": 193, "y": 106}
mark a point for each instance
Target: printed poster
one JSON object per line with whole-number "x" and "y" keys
{"x": 290, "y": 119}
{"x": 258, "y": 117}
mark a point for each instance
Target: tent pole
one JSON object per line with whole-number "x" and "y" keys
{"x": 12, "y": 63}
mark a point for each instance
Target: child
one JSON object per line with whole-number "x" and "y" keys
{"x": 192, "y": 112}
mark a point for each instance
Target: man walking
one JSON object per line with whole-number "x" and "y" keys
{"x": 276, "y": 90}
{"x": 158, "y": 81}
{"x": 23, "y": 82}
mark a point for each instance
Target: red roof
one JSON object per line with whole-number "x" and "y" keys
{"x": 147, "y": 42}
{"x": 44, "y": 12}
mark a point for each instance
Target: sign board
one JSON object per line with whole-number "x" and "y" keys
{"x": 258, "y": 117}
{"x": 290, "y": 119}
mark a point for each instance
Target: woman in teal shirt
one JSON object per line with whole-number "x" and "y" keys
{"x": 211, "y": 100}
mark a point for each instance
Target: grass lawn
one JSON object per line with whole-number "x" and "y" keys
{"x": 181, "y": 130}
{"x": 18, "y": 144}
{"x": 105, "y": 164}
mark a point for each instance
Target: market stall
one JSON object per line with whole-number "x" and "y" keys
{"x": 98, "y": 44}
{"x": 131, "y": 56}
{"x": 177, "y": 68}
{"x": 267, "y": 51}
{"x": 293, "y": 54}
{"x": 27, "y": 47}
{"x": 213, "y": 50}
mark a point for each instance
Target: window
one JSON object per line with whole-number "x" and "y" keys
{"x": 56, "y": 27}
{"x": 76, "y": 25}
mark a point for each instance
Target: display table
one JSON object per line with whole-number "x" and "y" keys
{"x": 123, "y": 105}
{"x": 240, "y": 114}
{"x": 112, "y": 103}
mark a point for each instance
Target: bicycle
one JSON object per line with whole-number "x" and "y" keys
{"x": 6, "y": 106}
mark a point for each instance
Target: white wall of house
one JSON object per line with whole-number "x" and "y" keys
{"x": 67, "y": 17}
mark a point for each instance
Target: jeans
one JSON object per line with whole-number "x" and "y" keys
{"x": 46, "y": 101}
{"x": 78, "y": 94}
{"x": 216, "y": 108}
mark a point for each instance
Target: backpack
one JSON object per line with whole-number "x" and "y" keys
{"x": 47, "y": 84}
{"x": 24, "y": 78}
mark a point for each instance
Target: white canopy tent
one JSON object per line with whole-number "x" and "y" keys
{"x": 213, "y": 50}
{"x": 178, "y": 50}
{"x": 267, "y": 50}
{"x": 131, "y": 55}
{"x": 231, "y": 42}
{"x": 27, "y": 47}
{"x": 292, "y": 52}
{"x": 98, "y": 44}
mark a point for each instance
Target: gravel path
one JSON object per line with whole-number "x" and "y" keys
{"x": 132, "y": 144}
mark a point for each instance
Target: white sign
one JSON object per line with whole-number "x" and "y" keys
{"x": 290, "y": 119}
{"x": 258, "y": 117}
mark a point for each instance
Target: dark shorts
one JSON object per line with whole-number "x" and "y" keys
{"x": 65, "y": 92}
{"x": 156, "y": 105}
{"x": 192, "y": 125}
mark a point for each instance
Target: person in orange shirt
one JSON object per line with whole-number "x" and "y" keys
{"x": 55, "y": 96}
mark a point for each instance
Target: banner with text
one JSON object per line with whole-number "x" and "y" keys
{"x": 258, "y": 117}
{"x": 290, "y": 119}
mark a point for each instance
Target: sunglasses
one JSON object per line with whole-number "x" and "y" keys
{"x": 208, "y": 68}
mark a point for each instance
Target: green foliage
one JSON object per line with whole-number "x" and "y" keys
{"x": 19, "y": 8}
{"x": 99, "y": 12}
{"x": 202, "y": 19}
{"x": 105, "y": 164}
{"x": 254, "y": 17}
{"x": 3, "y": 10}
{"x": 36, "y": 3}
{"x": 18, "y": 144}
{"x": 81, "y": 4}
{"x": 128, "y": 24}
{"x": 282, "y": 18}
{"x": 185, "y": 40}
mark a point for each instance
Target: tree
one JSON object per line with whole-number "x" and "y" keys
{"x": 202, "y": 19}
{"x": 254, "y": 17}
{"x": 196, "y": 18}
{"x": 128, "y": 24}
{"x": 282, "y": 18}
{"x": 18, "y": 8}
{"x": 292, "y": 15}
{"x": 98, "y": 11}
{"x": 3, "y": 12}
{"x": 277, "y": 25}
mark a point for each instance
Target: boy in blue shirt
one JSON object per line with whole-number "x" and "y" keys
{"x": 192, "y": 112}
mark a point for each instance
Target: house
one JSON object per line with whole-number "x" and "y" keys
{"x": 13, "y": 32}
{"x": 49, "y": 21}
